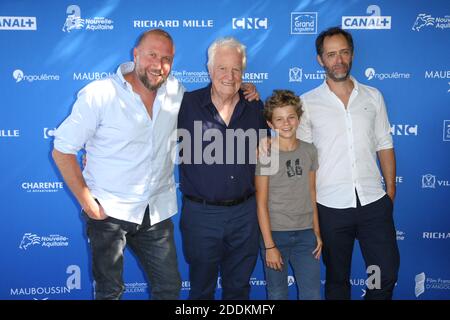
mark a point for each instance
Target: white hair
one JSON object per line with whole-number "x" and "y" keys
{"x": 229, "y": 42}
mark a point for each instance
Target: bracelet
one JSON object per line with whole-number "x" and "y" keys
{"x": 271, "y": 247}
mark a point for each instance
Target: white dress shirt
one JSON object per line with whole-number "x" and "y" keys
{"x": 128, "y": 153}
{"x": 347, "y": 141}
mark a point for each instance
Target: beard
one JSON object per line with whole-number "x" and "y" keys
{"x": 142, "y": 75}
{"x": 146, "y": 81}
{"x": 341, "y": 76}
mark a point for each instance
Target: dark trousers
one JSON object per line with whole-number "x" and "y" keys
{"x": 153, "y": 245}
{"x": 373, "y": 226}
{"x": 220, "y": 239}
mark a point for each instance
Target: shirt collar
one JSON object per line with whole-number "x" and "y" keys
{"x": 124, "y": 68}
{"x": 207, "y": 100}
{"x": 355, "y": 85}
{"x": 238, "y": 110}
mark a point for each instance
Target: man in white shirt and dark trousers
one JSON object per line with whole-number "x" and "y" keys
{"x": 127, "y": 189}
{"x": 348, "y": 124}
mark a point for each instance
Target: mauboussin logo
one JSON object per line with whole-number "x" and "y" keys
{"x": 53, "y": 240}
{"x": 72, "y": 282}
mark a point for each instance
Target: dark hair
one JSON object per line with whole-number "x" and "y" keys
{"x": 332, "y": 32}
{"x": 282, "y": 98}
{"x": 159, "y": 32}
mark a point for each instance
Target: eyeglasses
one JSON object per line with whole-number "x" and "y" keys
{"x": 344, "y": 53}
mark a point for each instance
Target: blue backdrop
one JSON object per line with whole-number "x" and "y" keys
{"x": 51, "y": 49}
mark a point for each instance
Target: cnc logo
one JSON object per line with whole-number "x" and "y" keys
{"x": 404, "y": 129}
{"x": 249, "y": 23}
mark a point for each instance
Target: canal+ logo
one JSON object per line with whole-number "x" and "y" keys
{"x": 18, "y": 23}
{"x": 374, "y": 21}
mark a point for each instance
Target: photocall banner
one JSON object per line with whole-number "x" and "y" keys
{"x": 52, "y": 49}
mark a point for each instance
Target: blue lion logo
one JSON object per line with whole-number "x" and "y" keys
{"x": 28, "y": 240}
{"x": 422, "y": 21}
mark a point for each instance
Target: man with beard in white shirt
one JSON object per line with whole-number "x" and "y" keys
{"x": 126, "y": 190}
{"x": 348, "y": 124}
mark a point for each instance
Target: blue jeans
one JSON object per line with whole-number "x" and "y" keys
{"x": 296, "y": 249}
{"x": 153, "y": 245}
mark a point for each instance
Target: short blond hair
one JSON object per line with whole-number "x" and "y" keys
{"x": 282, "y": 98}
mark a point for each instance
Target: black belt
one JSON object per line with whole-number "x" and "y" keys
{"x": 225, "y": 203}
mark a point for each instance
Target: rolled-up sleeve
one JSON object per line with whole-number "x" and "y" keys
{"x": 79, "y": 126}
{"x": 382, "y": 126}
